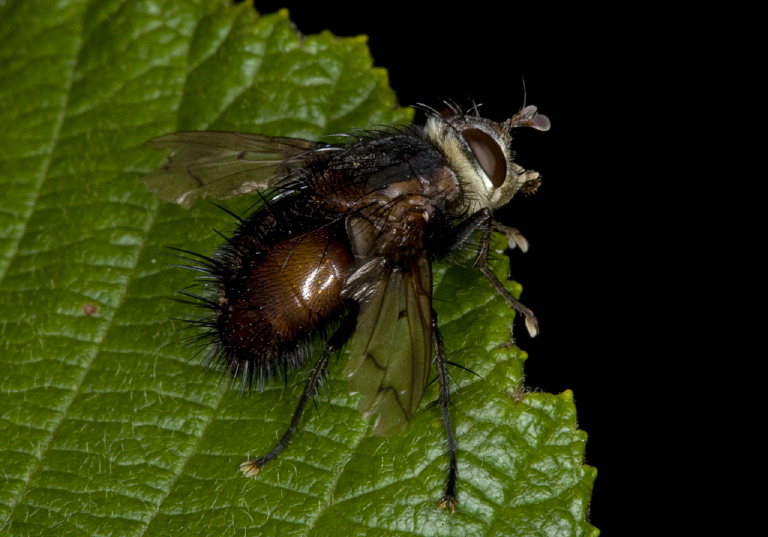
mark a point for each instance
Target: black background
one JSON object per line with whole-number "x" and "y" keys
{"x": 586, "y": 77}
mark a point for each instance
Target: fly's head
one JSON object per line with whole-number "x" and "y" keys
{"x": 478, "y": 150}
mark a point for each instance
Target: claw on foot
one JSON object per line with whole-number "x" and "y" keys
{"x": 532, "y": 325}
{"x": 250, "y": 468}
{"x": 449, "y": 502}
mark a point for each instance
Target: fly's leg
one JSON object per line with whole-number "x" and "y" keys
{"x": 335, "y": 342}
{"x": 531, "y": 323}
{"x": 482, "y": 220}
{"x": 444, "y": 400}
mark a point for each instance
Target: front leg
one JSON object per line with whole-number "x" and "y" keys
{"x": 531, "y": 323}
{"x": 482, "y": 220}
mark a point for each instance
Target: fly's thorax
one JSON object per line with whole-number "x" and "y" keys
{"x": 396, "y": 234}
{"x": 387, "y": 187}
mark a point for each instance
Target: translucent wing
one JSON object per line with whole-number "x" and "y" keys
{"x": 223, "y": 164}
{"x": 391, "y": 352}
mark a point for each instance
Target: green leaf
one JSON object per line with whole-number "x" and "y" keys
{"x": 108, "y": 425}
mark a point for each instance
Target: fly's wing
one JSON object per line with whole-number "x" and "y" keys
{"x": 223, "y": 164}
{"x": 391, "y": 351}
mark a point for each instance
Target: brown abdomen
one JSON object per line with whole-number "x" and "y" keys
{"x": 283, "y": 287}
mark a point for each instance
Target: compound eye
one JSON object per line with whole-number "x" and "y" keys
{"x": 488, "y": 154}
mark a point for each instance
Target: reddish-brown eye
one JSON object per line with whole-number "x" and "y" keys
{"x": 488, "y": 154}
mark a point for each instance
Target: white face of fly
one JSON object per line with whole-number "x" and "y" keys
{"x": 478, "y": 151}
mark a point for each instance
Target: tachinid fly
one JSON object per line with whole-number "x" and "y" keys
{"x": 344, "y": 242}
